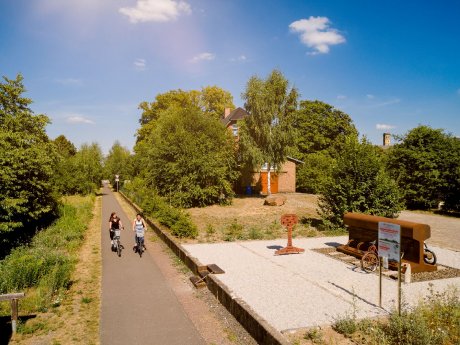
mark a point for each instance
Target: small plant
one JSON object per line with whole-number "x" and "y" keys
{"x": 210, "y": 230}
{"x": 234, "y": 231}
{"x": 86, "y": 300}
{"x": 315, "y": 335}
{"x": 255, "y": 233}
{"x": 346, "y": 325}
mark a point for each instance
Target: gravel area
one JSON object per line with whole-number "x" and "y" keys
{"x": 309, "y": 289}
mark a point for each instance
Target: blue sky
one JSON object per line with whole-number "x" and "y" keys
{"x": 87, "y": 64}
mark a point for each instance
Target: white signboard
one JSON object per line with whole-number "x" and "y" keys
{"x": 389, "y": 242}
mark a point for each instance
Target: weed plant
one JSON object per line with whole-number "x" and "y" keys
{"x": 435, "y": 320}
{"x": 46, "y": 264}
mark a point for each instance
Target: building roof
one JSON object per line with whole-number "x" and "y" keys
{"x": 235, "y": 115}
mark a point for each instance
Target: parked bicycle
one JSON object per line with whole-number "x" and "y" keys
{"x": 370, "y": 259}
{"x": 429, "y": 256}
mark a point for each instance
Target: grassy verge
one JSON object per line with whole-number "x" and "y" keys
{"x": 435, "y": 320}
{"x": 60, "y": 274}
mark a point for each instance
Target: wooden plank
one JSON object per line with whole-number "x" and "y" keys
{"x": 10, "y": 296}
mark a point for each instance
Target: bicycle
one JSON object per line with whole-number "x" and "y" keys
{"x": 139, "y": 242}
{"x": 429, "y": 256}
{"x": 117, "y": 244}
{"x": 370, "y": 259}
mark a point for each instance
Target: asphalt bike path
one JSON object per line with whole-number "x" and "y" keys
{"x": 137, "y": 305}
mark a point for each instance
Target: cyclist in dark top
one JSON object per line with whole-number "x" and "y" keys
{"x": 114, "y": 224}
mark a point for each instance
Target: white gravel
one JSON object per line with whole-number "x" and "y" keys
{"x": 308, "y": 289}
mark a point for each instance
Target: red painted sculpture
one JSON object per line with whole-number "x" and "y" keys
{"x": 289, "y": 220}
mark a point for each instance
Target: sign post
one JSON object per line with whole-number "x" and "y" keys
{"x": 389, "y": 248}
{"x": 117, "y": 178}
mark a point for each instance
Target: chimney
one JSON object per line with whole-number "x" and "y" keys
{"x": 386, "y": 139}
{"x": 227, "y": 112}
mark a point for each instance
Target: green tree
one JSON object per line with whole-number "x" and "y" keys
{"x": 64, "y": 146}
{"x": 266, "y": 135}
{"x": 189, "y": 158}
{"x": 320, "y": 136}
{"x": 118, "y": 162}
{"x": 27, "y": 162}
{"x": 63, "y": 178}
{"x": 358, "y": 183}
{"x": 212, "y": 100}
{"x": 426, "y": 165}
{"x": 88, "y": 171}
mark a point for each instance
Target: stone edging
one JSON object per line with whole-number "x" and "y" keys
{"x": 259, "y": 329}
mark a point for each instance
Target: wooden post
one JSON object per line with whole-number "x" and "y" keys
{"x": 14, "y": 314}
{"x": 14, "y": 298}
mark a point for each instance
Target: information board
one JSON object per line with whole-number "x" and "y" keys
{"x": 389, "y": 245}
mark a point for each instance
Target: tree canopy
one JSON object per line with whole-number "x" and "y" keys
{"x": 27, "y": 161}
{"x": 266, "y": 135}
{"x": 189, "y": 158}
{"x": 118, "y": 162}
{"x": 426, "y": 165}
{"x": 359, "y": 183}
{"x": 321, "y": 131}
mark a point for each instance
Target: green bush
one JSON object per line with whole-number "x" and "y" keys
{"x": 156, "y": 206}
{"x": 359, "y": 183}
{"x": 47, "y": 263}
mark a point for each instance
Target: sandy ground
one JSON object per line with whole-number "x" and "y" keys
{"x": 308, "y": 289}
{"x": 250, "y": 211}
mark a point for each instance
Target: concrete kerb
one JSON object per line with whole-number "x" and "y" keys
{"x": 259, "y": 329}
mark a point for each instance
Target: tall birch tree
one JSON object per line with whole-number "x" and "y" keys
{"x": 267, "y": 135}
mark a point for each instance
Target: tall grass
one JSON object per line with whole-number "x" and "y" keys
{"x": 435, "y": 320}
{"x": 46, "y": 264}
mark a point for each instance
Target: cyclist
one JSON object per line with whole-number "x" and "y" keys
{"x": 139, "y": 227}
{"x": 114, "y": 224}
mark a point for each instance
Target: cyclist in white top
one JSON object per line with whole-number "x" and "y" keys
{"x": 138, "y": 226}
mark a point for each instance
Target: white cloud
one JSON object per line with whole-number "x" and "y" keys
{"x": 140, "y": 64}
{"x": 389, "y": 102}
{"x": 76, "y": 119}
{"x": 69, "y": 81}
{"x": 341, "y": 97}
{"x": 156, "y": 10}
{"x": 384, "y": 127}
{"x": 316, "y": 33}
{"x": 203, "y": 57}
{"x": 369, "y": 96}
{"x": 240, "y": 58}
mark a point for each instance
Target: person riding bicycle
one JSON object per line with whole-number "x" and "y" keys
{"x": 139, "y": 229}
{"x": 114, "y": 224}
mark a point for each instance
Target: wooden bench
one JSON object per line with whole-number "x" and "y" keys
{"x": 14, "y": 298}
{"x": 363, "y": 229}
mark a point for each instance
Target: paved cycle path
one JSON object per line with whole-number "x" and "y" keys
{"x": 137, "y": 306}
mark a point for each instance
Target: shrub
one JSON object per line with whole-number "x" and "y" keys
{"x": 359, "y": 183}
{"x": 47, "y": 263}
{"x": 156, "y": 206}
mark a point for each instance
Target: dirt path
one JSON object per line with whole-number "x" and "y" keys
{"x": 138, "y": 306}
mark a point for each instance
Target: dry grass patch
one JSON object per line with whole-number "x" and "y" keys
{"x": 249, "y": 218}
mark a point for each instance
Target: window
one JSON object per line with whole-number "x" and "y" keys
{"x": 235, "y": 130}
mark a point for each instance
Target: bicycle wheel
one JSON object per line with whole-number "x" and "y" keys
{"x": 429, "y": 257}
{"x": 118, "y": 248}
{"x": 369, "y": 262}
{"x": 139, "y": 246}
